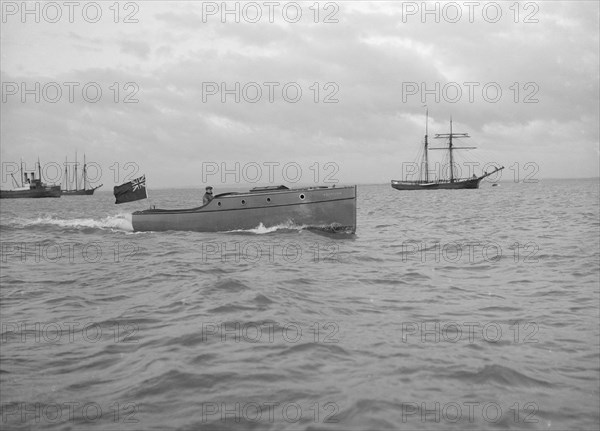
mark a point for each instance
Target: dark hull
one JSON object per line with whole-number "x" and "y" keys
{"x": 438, "y": 185}
{"x": 77, "y": 192}
{"x": 81, "y": 192}
{"x": 45, "y": 192}
{"x": 471, "y": 183}
{"x": 321, "y": 208}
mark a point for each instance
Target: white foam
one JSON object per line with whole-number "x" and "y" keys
{"x": 115, "y": 222}
{"x": 261, "y": 229}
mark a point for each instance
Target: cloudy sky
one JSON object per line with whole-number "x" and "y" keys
{"x": 239, "y": 92}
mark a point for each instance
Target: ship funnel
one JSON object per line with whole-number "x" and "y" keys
{"x": 33, "y": 176}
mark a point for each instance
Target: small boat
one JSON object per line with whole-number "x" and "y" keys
{"x": 326, "y": 208}
{"x": 452, "y": 183}
{"x": 76, "y": 191}
{"x": 31, "y": 187}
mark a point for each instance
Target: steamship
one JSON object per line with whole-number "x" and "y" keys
{"x": 31, "y": 187}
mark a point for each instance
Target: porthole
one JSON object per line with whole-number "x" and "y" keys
{"x": 243, "y": 202}
{"x": 268, "y": 199}
{"x": 219, "y": 203}
{"x": 302, "y": 196}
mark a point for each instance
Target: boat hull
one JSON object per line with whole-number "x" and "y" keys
{"x": 321, "y": 208}
{"x": 421, "y": 185}
{"x": 42, "y": 192}
{"x": 471, "y": 183}
{"x": 80, "y": 192}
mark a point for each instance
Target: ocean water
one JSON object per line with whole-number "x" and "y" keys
{"x": 469, "y": 309}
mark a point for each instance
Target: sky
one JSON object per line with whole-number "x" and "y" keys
{"x": 264, "y": 93}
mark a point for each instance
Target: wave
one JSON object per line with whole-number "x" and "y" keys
{"x": 119, "y": 222}
{"x": 123, "y": 222}
{"x": 261, "y": 229}
{"x": 500, "y": 374}
{"x": 292, "y": 227}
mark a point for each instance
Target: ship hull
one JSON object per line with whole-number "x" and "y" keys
{"x": 81, "y": 192}
{"x": 471, "y": 183}
{"x": 331, "y": 209}
{"x": 78, "y": 192}
{"x": 438, "y": 185}
{"x": 46, "y": 192}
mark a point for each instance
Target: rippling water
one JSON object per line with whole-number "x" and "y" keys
{"x": 447, "y": 310}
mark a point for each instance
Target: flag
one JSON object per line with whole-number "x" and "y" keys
{"x": 132, "y": 191}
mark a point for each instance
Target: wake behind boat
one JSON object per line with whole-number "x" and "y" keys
{"x": 452, "y": 183}
{"x": 327, "y": 208}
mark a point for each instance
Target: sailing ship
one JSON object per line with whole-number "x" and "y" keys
{"x": 30, "y": 186}
{"x": 76, "y": 191}
{"x": 322, "y": 208}
{"x": 425, "y": 183}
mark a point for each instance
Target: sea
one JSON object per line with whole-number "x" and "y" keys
{"x": 447, "y": 309}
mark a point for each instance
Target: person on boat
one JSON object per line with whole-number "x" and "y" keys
{"x": 208, "y": 196}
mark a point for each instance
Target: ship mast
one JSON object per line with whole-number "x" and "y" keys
{"x": 84, "y": 174}
{"x": 451, "y": 158}
{"x": 75, "y": 170}
{"x": 66, "y": 175}
{"x": 451, "y": 148}
{"x": 426, "y": 144}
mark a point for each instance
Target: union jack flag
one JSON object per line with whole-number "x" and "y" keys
{"x": 139, "y": 183}
{"x": 132, "y": 191}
